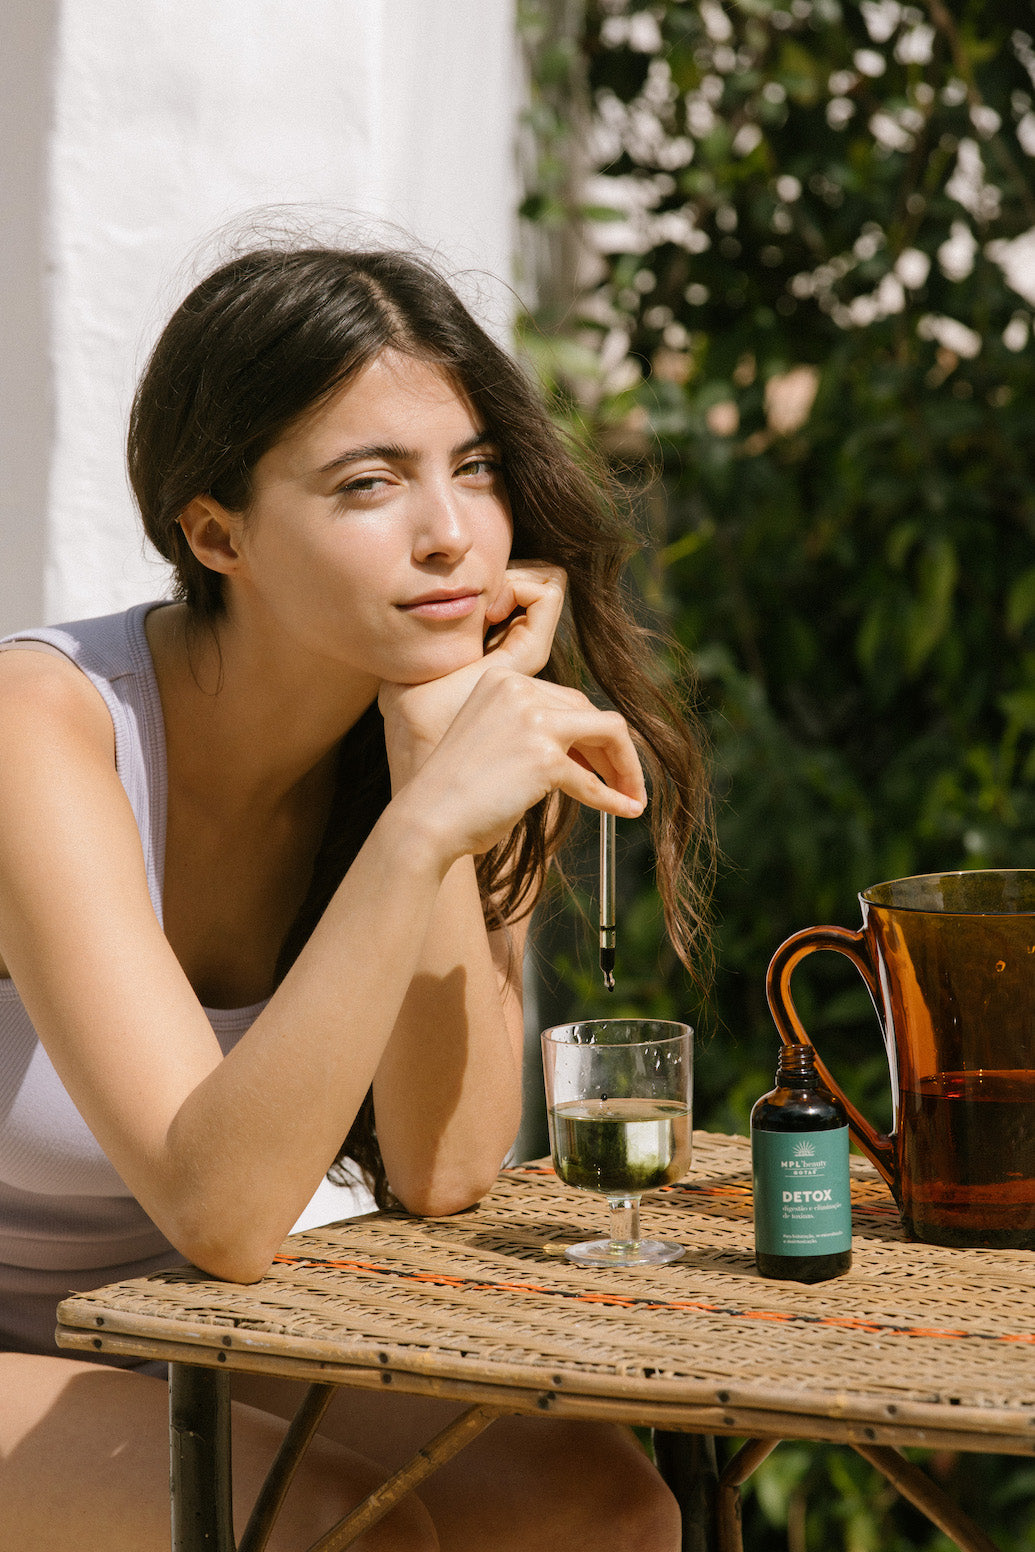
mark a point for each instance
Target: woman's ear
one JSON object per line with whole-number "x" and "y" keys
{"x": 210, "y": 531}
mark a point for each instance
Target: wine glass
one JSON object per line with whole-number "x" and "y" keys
{"x": 619, "y": 1094}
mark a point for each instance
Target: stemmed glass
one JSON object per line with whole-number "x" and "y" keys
{"x": 619, "y": 1096}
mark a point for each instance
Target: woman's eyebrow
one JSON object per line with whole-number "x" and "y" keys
{"x": 393, "y": 452}
{"x": 386, "y": 450}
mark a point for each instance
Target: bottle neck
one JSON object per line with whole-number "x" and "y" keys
{"x": 797, "y": 1069}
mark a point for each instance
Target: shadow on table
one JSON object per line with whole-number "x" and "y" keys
{"x": 547, "y": 1241}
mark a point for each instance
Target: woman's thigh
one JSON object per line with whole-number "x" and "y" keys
{"x": 526, "y": 1482}
{"x": 84, "y": 1462}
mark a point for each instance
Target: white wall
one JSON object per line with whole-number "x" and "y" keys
{"x": 131, "y": 132}
{"x": 27, "y": 44}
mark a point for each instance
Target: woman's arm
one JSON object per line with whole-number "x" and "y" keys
{"x": 224, "y": 1152}
{"x": 447, "y": 1093}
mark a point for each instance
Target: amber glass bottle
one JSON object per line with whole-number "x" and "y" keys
{"x": 799, "y": 1167}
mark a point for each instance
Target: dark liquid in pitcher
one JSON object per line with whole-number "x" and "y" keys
{"x": 968, "y": 1159}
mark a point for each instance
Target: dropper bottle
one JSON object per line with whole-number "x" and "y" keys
{"x": 799, "y": 1167}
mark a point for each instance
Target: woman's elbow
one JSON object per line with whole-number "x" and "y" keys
{"x": 225, "y": 1252}
{"x": 230, "y": 1263}
{"x": 441, "y": 1197}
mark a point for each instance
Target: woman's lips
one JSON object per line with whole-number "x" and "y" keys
{"x": 442, "y": 606}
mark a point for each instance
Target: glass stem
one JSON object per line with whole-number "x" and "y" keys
{"x": 625, "y": 1222}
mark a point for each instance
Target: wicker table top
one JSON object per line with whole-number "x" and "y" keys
{"x": 916, "y": 1345}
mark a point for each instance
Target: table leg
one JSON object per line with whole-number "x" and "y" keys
{"x": 427, "y": 1459}
{"x": 274, "y": 1490}
{"x": 928, "y": 1497}
{"x": 687, "y": 1464}
{"x": 199, "y": 1439}
{"x": 908, "y": 1479}
{"x": 745, "y": 1461}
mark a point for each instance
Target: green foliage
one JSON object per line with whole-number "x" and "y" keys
{"x": 780, "y": 247}
{"x": 807, "y": 1496}
{"x": 796, "y": 311}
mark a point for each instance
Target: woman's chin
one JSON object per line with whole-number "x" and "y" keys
{"x": 440, "y": 665}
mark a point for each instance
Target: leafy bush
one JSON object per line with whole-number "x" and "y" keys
{"x": 802, "y": 227}
{"x": 782, "y": 258}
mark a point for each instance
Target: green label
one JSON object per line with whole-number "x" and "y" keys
{"x": 802, "y": 1202}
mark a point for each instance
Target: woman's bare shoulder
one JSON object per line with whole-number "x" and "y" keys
{"x": 43, "y": 694}
{"x": 53, "y": 722}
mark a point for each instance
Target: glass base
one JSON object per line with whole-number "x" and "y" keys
{"x": 638, "y": 1252}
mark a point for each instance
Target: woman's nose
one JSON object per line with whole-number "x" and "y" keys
{"x": 442, "y": 528}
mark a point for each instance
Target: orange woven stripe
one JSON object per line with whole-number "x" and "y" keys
{"x": 630, "y": 1302}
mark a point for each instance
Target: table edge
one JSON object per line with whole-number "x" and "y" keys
{"x": 931, "y": 1425}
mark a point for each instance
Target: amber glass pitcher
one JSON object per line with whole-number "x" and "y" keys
{"x": 949, "y": 960}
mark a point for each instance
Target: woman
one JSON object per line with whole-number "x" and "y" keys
{"x": 205, "y": 984}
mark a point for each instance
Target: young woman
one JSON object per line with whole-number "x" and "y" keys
{"x": 267, "y": 854}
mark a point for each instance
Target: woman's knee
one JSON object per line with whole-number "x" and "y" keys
{"x": 559, "y": 1484}
{"x": 624, "y": 1500}
{"x": 651, "y": 1519}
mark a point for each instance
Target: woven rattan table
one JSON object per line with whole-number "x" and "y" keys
{"x": 917, "y": 1345}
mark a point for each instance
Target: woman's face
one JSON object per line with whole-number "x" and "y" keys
{"x": 379, "y": 531}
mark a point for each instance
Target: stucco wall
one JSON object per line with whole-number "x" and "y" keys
{"x": 133, "y": 132}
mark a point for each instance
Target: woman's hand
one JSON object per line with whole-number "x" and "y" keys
{"x": 482, "y": 745}
{"x": 523, "y": 618}
{"x": 515, "y": 740}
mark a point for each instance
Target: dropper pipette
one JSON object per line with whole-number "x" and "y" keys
{"x": 607, "y": 900}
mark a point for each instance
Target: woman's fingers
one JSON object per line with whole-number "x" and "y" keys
{"x": 523, "y": 618}
{"x": 525, "y": 614}
{"x": 523, "y": 583}
{"x": 491, "y": 740}
{"x": 605, "y": 772}
{"x": 518, "y": 739}
{"x": 585, "y": 786}
{"x": 596, "y": 758}
{"x": 603, "y": 785}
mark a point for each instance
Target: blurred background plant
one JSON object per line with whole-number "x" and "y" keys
{"x": 780, "y": 261}
{"x": 784, "y": 266}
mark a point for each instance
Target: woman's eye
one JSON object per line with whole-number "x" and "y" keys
{"x": 481, "y": 467}
{"x": 362, "y": 485}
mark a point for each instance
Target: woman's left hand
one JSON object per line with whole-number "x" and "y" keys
{"x": 417, "y": 715}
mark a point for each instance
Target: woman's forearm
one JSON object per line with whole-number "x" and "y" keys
{"x": 447, "y": 1092}
{"x": 249, "y": 1143}
{"x": 397, "y": 986}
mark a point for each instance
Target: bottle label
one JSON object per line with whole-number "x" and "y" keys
{"x": 802, "y": 1201}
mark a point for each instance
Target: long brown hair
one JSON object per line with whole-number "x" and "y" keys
{"x": 264, "y": 340}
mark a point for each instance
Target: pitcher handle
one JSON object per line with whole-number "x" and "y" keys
{"x": 877, "y": 1147}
